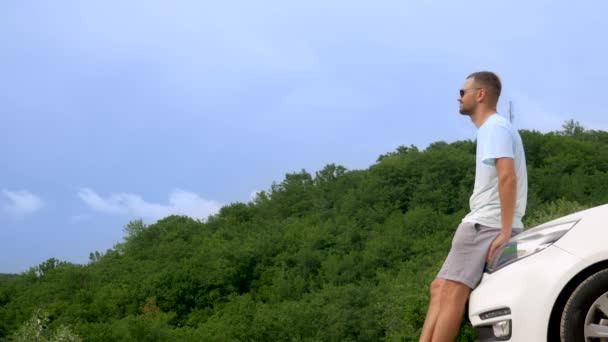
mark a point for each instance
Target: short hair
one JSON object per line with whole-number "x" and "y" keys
{"x": 487, "y": 80}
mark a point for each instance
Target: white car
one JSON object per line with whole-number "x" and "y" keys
{"x": 549, "y": 283}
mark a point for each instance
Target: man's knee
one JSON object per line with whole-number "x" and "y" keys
{"x": 454, "y": 290}
{"x": 437, "y": 287}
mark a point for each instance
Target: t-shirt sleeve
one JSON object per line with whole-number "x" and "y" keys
{"x": 497, "y": 142}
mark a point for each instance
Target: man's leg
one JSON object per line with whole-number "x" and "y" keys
{"x": 454, "y": 296}
{"x": 433, "y": 310}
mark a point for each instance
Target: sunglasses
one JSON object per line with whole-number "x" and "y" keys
{"x": 463, "y": 91}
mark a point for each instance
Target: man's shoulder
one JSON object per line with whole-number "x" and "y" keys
{"x": 496, "y": 124}
{"x": 497, "y": 120}
{"x": 492, "y": 124}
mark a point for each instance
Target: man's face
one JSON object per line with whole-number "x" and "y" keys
{"x": 468, "y": 100}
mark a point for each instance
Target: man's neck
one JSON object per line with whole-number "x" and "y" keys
{"x": 480, "y": 117}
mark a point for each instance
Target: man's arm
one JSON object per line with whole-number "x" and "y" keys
{"x": 507, "y": 191}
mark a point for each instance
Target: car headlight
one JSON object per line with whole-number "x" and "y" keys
{"x": 529, "y": 242}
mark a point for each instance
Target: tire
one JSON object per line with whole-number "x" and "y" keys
{"x": 582, "y": 310}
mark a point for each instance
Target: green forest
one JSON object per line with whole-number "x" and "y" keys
{"x": 338, "y": 255}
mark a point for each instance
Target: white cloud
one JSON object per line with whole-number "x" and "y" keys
{"x": 180, "y": 203}
{"x": 21, "y": 202}
{"x": 111, "y": 206}
{"x": 253, "y": 195}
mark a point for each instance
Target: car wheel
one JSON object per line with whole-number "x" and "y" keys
{"x": 585, "y": 316}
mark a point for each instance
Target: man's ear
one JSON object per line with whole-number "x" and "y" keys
{"x": 482, "y": 95}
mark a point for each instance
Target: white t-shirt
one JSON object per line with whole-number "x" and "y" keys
{"x": 497, "y": 138}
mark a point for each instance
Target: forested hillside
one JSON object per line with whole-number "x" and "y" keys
{"x": 7, "y": 277}
{"x": 338, "y": 255}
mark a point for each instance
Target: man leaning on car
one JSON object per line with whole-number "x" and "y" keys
{"x": 498, "y": 204}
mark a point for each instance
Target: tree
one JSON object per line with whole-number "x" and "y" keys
{"x": 572, "y": 128}
{"x": 134, "y": 228}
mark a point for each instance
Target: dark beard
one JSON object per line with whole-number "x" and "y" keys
{"x": 468, "y": 111}
{"x": 465, "y": 112}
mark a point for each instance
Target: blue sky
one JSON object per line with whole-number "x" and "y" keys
{"x": 112, "y": 111}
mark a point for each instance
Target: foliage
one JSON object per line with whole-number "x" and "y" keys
{"x": 340, "y": 254}
{"x": 4, "y": 277}
{"x": 552, "y": 210}
{"x": 36, "y": 330}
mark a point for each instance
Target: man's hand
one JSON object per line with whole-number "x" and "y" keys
{"x": 500, "y": 241}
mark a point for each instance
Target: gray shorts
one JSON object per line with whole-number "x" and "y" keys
{"x": 467, "y": 258}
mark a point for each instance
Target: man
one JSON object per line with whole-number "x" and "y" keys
{"x": 498, "y": 204}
